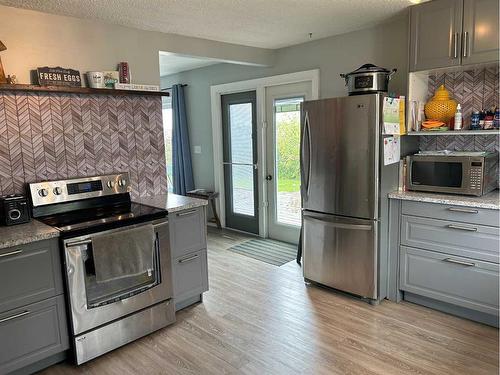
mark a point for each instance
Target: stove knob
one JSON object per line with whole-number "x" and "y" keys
{"x": 110, "y": 184}
{"x": 122, "y": 182}
{"x": 57, "y": 190}
{"x": 43, "y": 192}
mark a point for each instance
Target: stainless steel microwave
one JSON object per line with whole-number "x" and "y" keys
{"x": 467, "y": 173}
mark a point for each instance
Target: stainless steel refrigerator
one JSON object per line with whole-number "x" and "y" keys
{"x": 344, "y": 194}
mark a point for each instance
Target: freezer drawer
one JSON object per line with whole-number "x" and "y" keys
{"x": 341, "y": 253}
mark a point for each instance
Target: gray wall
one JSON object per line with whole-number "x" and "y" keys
{"x": 384, "y": 45}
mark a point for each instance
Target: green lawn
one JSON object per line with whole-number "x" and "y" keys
{"x": 287, "y": 185}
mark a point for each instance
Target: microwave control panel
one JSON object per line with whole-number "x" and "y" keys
{"x": 476, "y": 175}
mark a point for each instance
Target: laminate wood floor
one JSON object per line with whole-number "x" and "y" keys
{"x": 262, "y": 319}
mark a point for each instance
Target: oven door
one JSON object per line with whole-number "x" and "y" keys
{"x": 439, "y": 174}
{"x": 94, "y": 303}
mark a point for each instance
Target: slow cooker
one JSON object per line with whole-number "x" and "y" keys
{"x": 368, "y": 79}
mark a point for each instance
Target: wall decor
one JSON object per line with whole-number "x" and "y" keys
{"x": 3, "y": 79}
{"x": 52, "y": 136}
{"x": 58, "y": 76}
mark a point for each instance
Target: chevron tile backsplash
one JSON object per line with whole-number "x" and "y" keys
{"x": 50, "y": 136}
{"x": 473, "y": 89}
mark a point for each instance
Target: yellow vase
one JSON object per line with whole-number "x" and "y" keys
{"x": 441, "y": 107}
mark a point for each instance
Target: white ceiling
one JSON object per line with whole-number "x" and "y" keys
{"x": 258, "y": 23}
{"x": 171, "y": 63}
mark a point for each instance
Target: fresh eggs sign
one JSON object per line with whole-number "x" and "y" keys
{"x": 58, "y": 77}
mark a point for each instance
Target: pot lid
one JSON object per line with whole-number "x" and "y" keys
{"x": 370, "y": 68}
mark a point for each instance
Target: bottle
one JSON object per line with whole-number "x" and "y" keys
{"x": 474, "y": 121}
{"x": 488, "y": 119}
{"x": 482, "y": 115}
{"x": 496, "y": 119}
{"x": 458, "y": 118}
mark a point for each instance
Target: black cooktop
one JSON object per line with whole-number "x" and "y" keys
{"x": 96, "y": 219}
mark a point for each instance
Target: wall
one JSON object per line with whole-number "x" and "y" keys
{"x": 58, "y": 136}
{"x": 385, "y": 45}
{"x": 36, "y": 39}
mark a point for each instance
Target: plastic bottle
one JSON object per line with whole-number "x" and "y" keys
{"x": 496, "y": 119}
{"x": 474, "y": 121}
{"x": 458, "y": 118}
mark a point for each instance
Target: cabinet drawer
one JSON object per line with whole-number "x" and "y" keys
{"x": 29, "y": 273}
{"x": 32, "y": 333}
{"x": 462, "y": 214}
{"x": 468, "y": 240}
{"x": 460, "y": 281}
{"x": 190, "y": 275}
{"x": 187, "y": 231}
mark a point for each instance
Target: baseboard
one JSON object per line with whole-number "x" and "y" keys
{"x": 462, "y": 312}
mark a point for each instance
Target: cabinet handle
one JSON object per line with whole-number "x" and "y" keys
{"x": 463, "y": 210}
{"x": 461, "y": 262}
{"x": 466, "y": 44}
{"x": 186, "y": 213}
{"x": 189, "y": 259}
{"x": 11, "y": 253}
{"x": 461, "y": 227}
{"x": 25, "y": 312}
{"x": 455, "y": 45}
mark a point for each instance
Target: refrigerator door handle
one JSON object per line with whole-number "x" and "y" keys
{"x": 305, "y": 175}
{"x": 342, "y": 225}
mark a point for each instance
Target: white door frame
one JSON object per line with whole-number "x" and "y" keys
{"x": 259, "y": 85}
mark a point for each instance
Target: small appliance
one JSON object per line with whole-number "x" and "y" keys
{"x": 453, "y": 172}
{"x": 14, "y": 210}
{"x": 368, "y": 79}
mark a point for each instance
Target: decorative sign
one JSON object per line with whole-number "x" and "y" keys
{"x": 58, "y": 77}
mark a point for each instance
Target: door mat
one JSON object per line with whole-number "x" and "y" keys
{"x": 269, "y": 251}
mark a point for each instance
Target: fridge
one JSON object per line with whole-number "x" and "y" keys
{"x": 344, "y": 187}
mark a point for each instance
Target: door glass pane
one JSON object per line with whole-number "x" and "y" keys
{"x": 240, "y": 120}
{"x": 243, "y": 189}
{"x": 287, "y": 157}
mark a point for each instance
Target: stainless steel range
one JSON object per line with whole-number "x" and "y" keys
{"x": 116, "y": 257}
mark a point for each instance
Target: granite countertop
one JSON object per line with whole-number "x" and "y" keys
{"x": 21, "y": 234}
{"x": 490, "y": 200}
{"x": 172, "y": 202}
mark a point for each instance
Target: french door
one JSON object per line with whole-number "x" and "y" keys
{"x": 283, "y": 159}
{"x": 239, "y": 133}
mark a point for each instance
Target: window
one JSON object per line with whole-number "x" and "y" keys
{"x": 167, "y": 133}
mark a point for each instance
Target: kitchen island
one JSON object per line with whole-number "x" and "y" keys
{"x": 445, "y": 252}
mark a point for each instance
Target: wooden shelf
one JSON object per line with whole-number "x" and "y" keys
{"x": 79, "y": 90}
{"x": 457, "y": 132}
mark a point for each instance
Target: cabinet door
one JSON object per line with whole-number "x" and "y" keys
{"x": 435, "y": 30}
{"x": 187, "y": 231}
{"x": 190, "y": 275}
{"x": 480, "y": 32}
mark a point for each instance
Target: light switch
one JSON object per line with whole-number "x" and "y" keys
{"x": 197, "y": 149}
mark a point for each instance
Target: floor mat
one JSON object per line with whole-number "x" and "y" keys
{"x": 265, "y": 250}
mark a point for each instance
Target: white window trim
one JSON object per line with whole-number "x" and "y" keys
{"x": 259, "y": 85}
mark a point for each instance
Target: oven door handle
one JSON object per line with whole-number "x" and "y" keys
{"x": 89, "y": 240}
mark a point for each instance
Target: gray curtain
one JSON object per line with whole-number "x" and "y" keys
{"x": 182, "y": 168}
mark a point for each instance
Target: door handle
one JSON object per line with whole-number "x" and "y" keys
{"x": 463, "y": 210}
{"x": 11, "y": 253}
{"x": 461, "y": 262}
{"x": 15, "y": 316}
{"x": 462, "y": 227}
{"x": 340, "y": 225}
{"x": 455, "y": 45}
{"x": 306, "y": 176}
{"x": 255, "y": 165}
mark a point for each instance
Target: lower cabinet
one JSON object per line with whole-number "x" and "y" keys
{"x": 460, "y": 281}
{"x": 188, "y": 240}
{"x": 32, "y": 333}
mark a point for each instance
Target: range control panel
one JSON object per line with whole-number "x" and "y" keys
{"x": 50, "y": 192}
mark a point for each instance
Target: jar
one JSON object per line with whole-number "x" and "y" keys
{"x": 474, "y": 121}
{"x": 441, "y": 107}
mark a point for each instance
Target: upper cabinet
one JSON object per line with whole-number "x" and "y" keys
{"x": 480, "y": 31}
{"x": 447, "y": 33}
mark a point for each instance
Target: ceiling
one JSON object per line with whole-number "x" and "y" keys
{"x": 171, "y": 63}
{"x": 258, "y": 23}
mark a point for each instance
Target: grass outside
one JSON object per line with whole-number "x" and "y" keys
{"x": 288, "y": 185}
